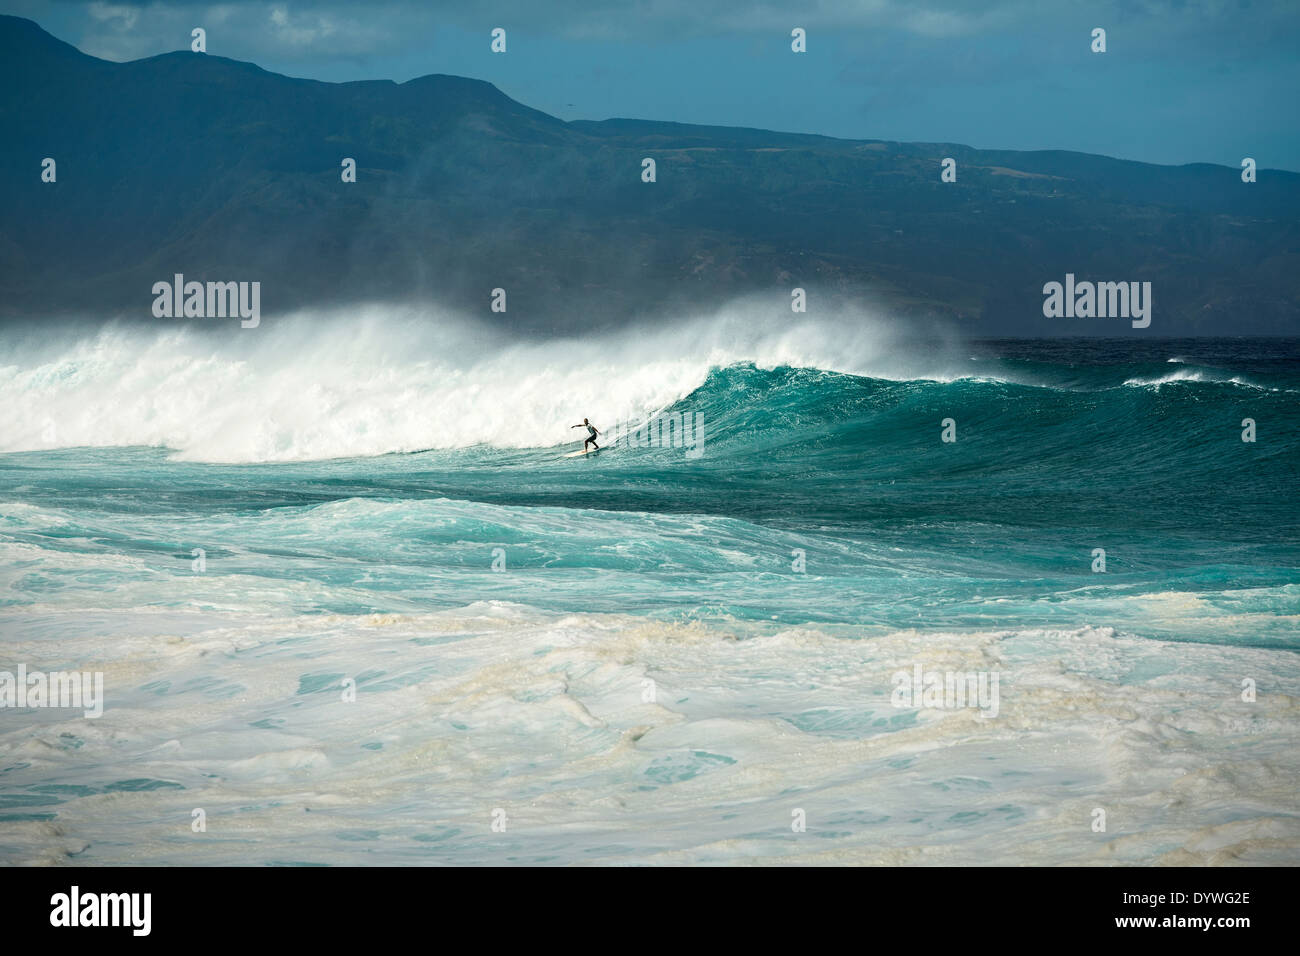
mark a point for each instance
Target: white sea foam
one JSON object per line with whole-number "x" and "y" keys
{"x": 380, "y": 380}
{"x": 1192, "y": 375}
{"x": 545, "y": 716}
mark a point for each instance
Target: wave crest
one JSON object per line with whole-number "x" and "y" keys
{"x": 381, "y": 380}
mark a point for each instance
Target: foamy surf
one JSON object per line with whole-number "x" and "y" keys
{"x": 546, "y": 718}
{"x": 378, "y": 380}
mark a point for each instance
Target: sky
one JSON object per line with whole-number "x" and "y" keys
{"x": 1181, "y": 81}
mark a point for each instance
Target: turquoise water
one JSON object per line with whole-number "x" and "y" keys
{"x": 898, "y": 528}
{"x": 501, "y": 607}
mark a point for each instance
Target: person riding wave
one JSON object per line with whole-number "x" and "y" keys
{"x": 592, "y": 432}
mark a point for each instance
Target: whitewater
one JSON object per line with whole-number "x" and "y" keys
{"x": 372, "y": 381}
{"x": 353, "y": 605}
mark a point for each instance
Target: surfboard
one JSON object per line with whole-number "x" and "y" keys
{"x": 582, "y": 451}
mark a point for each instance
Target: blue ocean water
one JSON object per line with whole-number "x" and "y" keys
{"x": 645, "y": 656}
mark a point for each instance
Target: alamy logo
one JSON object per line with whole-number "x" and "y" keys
{"x": 103, "y": 909}
{"x": 946, "y": 690}
{"x": 674, "y": 430}
{"x": 1101, "y": 300}
{"x": 56, "y": 689}
{"x": 213, "y": 300}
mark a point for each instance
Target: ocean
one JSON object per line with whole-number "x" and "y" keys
{"x": 352, "y": 604}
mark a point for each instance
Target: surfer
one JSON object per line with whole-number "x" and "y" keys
{"x": 592, "y": 432}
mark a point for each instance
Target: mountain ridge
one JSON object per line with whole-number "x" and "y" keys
{"x": 220, "y": 169}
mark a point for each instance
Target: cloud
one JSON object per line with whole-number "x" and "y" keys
{"x": 302, "y": 29}
{"x": 125, "y": 14}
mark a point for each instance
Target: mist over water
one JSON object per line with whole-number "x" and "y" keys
{"x": 386, "y": 379}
